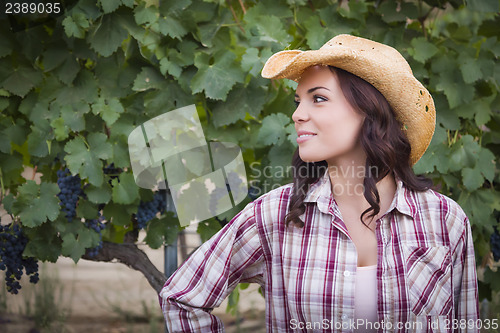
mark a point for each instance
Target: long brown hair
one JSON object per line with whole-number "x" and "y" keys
{"x": 386, "y": 146}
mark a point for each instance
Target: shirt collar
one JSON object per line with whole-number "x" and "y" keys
{"x": 321, "y": 193}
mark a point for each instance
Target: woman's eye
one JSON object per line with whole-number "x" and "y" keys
{"x": 318, "y": 99}
{"x": 296, "y": 103}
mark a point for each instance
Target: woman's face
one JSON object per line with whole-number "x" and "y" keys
{"x": 327, "y": 125}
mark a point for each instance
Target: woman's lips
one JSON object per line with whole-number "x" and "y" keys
{"x": 304, "y": 136}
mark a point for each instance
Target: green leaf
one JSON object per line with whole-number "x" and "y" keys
{"x": 207, "y": 229}
{"x": 145, "y": 14}
{"x": 484, "y": 6}
{"x": 44, "y": 243}
{"x": 148, "y": 78}
{"x": 162, "y": 231}
{"x": 272, "y": 30}
{"x": 472, "y": 178}
{"x": 486, "y": 164}
{"x": 109, "y": 6}
{"x": 98, "y": 195}
{"x": 422, "y": 49}
{"x": 171, "y": 26}
{"x": 63, "y": 63}
{"x": 86, "y": 209}
{"x": 75, "y": 25}
{"x": 109, "y": 110}
{"x": 471, "y": 70}
{"x": 240, "y": 101}
{"x": 389, "y": 12}
{"x": 106, "y": 37}
{"x": 166, "y": 66}
{"x": 316, "y": 34}
{"x": 85, "y": 160}
{"x": 464, "y": 153}
{"x": 22, "y": 80}
{"x": 38, "y": 139}
{"x": 218, "y": 78}
{"x": 119, "y": 215}
{"x": 36, "y": 204}
{"x": 456, "y": 92}
{"x": 74, "y": 246}
{"x": 60, "y": 130}
{"x": 272, "y": 131}
{"x": 125, "y": 190}
{"x": 115, "y": 234}
{"x": 251, "y": 62}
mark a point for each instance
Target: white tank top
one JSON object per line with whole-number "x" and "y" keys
{"x": 365, "y": 298}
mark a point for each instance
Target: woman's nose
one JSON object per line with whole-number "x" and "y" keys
{"x": 300, "y": 114}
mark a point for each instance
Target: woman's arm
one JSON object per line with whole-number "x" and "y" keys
{"x": 209, "y": 275}
{"x": 465, "y": 278}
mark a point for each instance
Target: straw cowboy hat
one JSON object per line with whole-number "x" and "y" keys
{"x": 378, "y": 64}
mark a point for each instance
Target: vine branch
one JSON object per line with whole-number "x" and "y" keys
{"x": 130, "y": 255}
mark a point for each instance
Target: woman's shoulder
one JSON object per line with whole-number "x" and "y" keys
{"x": 431, "y": 205}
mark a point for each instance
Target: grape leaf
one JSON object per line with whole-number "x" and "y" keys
{"x": 36, "y": 204}
{"x": 422, "y": 50}
{"x": 273, "y": 131}
{"x": 119, "y": 215}
{"x": 162, "y": 231}
{"x": 109, "y": 6}
{"x": 22, "y": 80}
{"x": 74, "y": 246}
{"x": 472, "y": 178}
{"x": 85, "y": 160}
{"x": 471, "y": 70}
{"x": 125, "y": 191}
{"x": 145, "y": 14}
{"x": 148, "y": 78}
{"x": 218, "y": 78}
{"x": 109, "y": 109}
{"x": 106, "y": 37}
{"x": 173, "y": 27}
{"x": 75, "y": 25}
{"x": 240, "y": 101}
{"x": 486, "y": 163}
{"x": 101, "y": 194}
{"x": 44, "y": 243}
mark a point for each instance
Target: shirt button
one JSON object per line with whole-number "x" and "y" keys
{"x": 344, "y": 317}
{"x": 347, "y": 273}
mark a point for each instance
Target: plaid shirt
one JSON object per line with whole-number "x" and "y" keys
{"x": 426, "y": 273}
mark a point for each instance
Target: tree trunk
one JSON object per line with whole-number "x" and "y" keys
{"x": 130, "y": 255}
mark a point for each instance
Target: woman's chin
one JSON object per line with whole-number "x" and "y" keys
{"x": 310, "y": 158}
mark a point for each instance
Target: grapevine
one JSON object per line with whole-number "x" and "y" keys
{"x": 97, "y": 225}
{"x": 70, "y": 191}
{"x": 148, "y": 210}
{"x": 12, "y": 245}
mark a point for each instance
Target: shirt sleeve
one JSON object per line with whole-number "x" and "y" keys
{"x": 209, "y": 275}
{"x": 465, "y": 278}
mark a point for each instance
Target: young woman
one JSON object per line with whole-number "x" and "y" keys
{"x": 357, "y": 242}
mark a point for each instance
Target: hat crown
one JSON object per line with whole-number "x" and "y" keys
{"x": 371, "y": 48}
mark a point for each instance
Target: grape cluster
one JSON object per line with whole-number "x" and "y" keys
{"x": 71, "y": 189}
{"x": 495, "y": 244}
{"x": 12, "y": 244}
{"x": 97, "y": 225}
{"x": 147, "y": 210}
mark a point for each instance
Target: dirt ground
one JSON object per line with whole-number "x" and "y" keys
{"x": 108, "y": 297}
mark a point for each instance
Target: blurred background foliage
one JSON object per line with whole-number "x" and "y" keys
{"x": 74, "y": 85}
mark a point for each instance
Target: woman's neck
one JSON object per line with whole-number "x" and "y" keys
{"x": 347, "y": 179}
